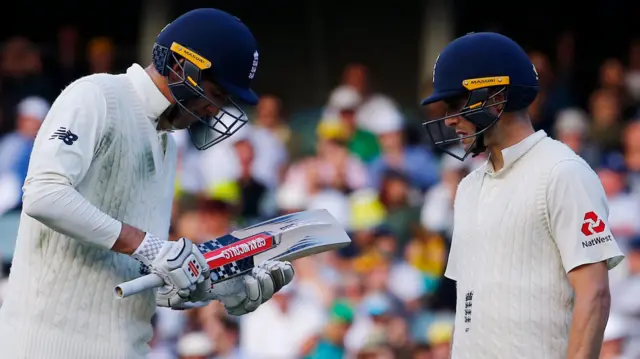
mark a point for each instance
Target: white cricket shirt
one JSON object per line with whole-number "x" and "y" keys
{"x": 97, "y": 161}
{"x": 517, "y": 233}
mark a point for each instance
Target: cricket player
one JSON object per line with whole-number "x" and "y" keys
{"x": 531, "y": 245}
{"x": 98, "y": 194}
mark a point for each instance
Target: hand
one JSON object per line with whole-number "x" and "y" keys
{"x": 245, "y": 294}
{"x": 180, "y": 264}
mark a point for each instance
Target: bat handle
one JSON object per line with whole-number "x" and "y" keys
{"x": 138, "y": 285}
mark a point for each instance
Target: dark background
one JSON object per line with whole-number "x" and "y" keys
{"x": 385, "y": 36}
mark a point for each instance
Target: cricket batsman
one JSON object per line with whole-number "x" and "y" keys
{"x": 531, "y": 245}
{"x": 98, "y": 195}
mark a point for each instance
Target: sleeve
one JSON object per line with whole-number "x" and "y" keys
{"x": 63, "y": 152}
{"x": 451, "y": 271}
{"x": 578, "y": 216}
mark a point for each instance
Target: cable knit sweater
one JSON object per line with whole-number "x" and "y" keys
{"x": 98, "y": 161}
{"x": 517, "y": 233}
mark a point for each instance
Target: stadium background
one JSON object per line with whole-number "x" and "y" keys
{"x": 385, "y": 297}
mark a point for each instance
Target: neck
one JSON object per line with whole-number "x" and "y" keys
{"x": 512, "y": 132}
{"x": 160, "y": 82}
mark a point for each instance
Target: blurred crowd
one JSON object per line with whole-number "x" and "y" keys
{"x": 364, "y": 159}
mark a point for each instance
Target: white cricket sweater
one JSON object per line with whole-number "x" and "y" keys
{"x": 517, "y": 233}
{"x": 110, "y": 168}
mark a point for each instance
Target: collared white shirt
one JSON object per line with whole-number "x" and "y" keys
{"x": 513, "y": 153}
{"x": 517, "y": 233}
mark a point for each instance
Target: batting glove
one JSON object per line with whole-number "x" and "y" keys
{"x": 180, "y": 264}
{"x": 244, "y": 294}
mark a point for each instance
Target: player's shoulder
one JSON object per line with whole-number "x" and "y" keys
{"x": 82, "y": 97}
{"x": 470, "y": 179}
{"x": 101, "y": 84}
{"x": 553, "y": 151}
{"x": 562, "y": 160}
{"x": 84, "y": 89}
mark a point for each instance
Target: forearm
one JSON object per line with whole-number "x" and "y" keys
{"x": 129, "y": 240}
{"x": 590, "y": 316}
{"x": 61, "y": 208}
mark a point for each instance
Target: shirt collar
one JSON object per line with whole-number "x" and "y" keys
{"x": 153, "y": 100}
{"x": 511, "y": 154}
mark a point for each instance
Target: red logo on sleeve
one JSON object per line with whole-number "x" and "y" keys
{"x": 592, "y": 224}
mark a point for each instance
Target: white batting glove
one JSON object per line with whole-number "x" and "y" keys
{"x": 246, "y": 293}
{"x": 180, "y": 264}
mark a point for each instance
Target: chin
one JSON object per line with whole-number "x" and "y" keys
{"x": 467, "y": 142}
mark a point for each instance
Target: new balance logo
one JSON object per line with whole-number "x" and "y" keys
{"x": 65, "y": 135}
{"x": 596, "y": 240}
{"x": 592, "y": 224}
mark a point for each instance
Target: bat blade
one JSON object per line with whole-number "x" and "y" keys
{"x": 287, "y": 237}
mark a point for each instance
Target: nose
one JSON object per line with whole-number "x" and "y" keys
{"x": 451, "y": 121}
{"x": 212, "y": 110}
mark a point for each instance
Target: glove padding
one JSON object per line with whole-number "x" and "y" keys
{"x": 182, "y": 267}
{"x": 246, "y": 293}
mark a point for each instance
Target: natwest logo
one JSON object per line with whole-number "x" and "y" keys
{"x": 597, "y": 240}
{"x": 592, "y": 224}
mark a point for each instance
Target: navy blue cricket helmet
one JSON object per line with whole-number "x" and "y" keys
{"x": 468, "y": 74}
{"x": 209, "y": 44}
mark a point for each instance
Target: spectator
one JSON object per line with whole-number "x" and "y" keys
{"x": 291, "y": 323}
{"x": 631, "y": 151}
{"x": 357, "y": 76}
{"x": 343, "y": 105}
{"x": 437, "y": 210}
{"x": 403, "y": 217}
{"x": 572, "y": 129}
{"x": 252, "y": 190}
{"x": 332, "y": 167}
{"x": 624, "y": 299}
{"x": 269, "y": 156}
{"x": 606, "y": 126}
{"x": 624, "y": 207}
{"x": 195, "y": 346}
{"x": 269, "y": 116}
{"x": 615, "y": 335}
{"x": 101, "y": 55}
{"x": 553, "y": 95}
{"x": 15, "y": 150}
{"x": 330, "y": 344}
{"x": 21, "y": 67}
{"x": 228, "y": 340}
{"x": 632, "y": 76}
{"x": 417, "y": 162}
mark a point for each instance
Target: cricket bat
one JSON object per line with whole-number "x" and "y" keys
{"x": 285, "y": 238}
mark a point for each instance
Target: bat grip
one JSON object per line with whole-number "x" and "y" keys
{"x": 138, "y": 285}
